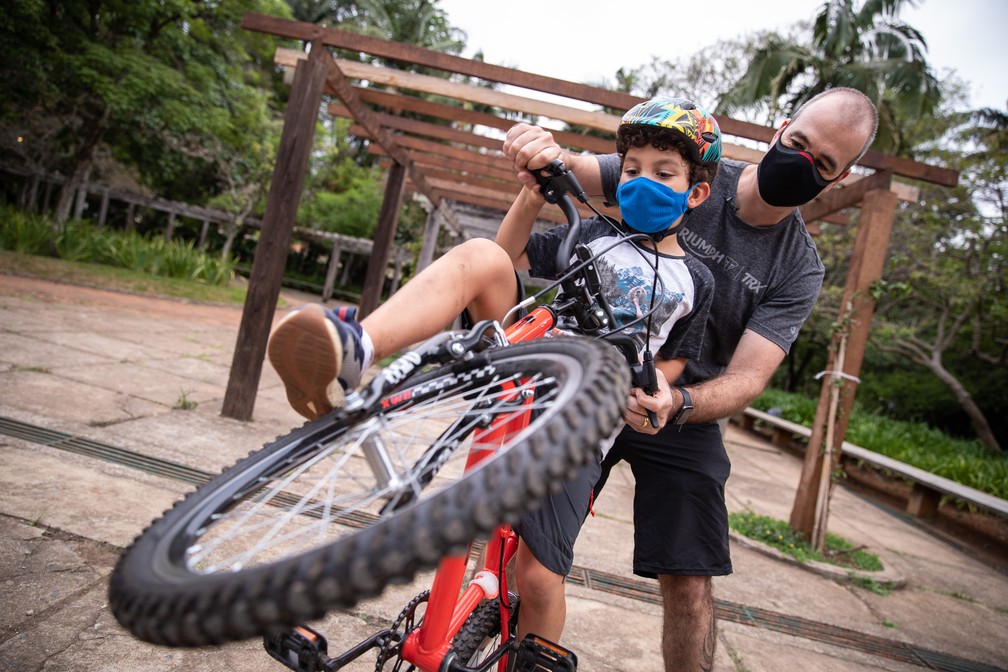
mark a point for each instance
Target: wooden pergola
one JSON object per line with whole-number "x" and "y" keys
{"x": 454, "y": 157}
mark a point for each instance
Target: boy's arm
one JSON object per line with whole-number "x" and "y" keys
{"x": 516, "y": 228}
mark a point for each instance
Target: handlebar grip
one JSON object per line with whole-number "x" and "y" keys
{"x": 649, "y": 383}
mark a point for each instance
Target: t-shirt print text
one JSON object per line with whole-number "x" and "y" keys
{"x": 716, "y": 260}
{"x": 702, "y": 249}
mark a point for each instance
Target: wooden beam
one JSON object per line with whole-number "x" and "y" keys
{"x": 614, "y": 100}
{"x": 334, "y": 37}
{"x": 844, "y": 197}
{"x": 599, "y": 121}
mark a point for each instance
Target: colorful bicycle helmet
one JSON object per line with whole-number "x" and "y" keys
{"x": 680, "y": 114}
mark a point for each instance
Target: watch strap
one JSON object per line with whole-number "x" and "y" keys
{"x": 682, "y": 415}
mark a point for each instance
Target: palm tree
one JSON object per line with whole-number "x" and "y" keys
{"x": 867, "y": 48}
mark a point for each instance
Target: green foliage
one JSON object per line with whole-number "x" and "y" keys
{"x": 166, "y": 88}
{"x": 864, "y": 46}
{"x": 353, "y": 212}
{"x": 914, "y": 443}
{"x": 23, "y": 232}
{"x": 84, "y": 242}
{"x": 777, "y": 534}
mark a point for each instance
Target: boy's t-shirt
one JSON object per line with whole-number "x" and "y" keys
{"x": 767, "y": 278}
{"x": 683, "y": 292}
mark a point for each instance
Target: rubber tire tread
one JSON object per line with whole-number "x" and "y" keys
{"x": 483, "y": 623}
{"x": 209, "y": 609}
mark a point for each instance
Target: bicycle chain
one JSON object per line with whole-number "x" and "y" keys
{"x": 388, "y": 650}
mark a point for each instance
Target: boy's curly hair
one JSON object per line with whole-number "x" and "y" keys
{"x": 663, "y": 139}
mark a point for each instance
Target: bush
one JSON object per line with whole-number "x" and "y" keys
{"x": 966, "y": 462}
{"x": 79, "y": 241}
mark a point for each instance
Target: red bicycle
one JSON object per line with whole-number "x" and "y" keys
{"x": 450, "y": 443}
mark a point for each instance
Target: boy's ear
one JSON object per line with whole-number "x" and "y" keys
{"x": 698, "y": 195}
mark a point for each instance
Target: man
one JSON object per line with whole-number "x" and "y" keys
{"x": 767, "y": 278}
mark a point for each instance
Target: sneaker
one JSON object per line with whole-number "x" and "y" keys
{"x": 310, "y": 348}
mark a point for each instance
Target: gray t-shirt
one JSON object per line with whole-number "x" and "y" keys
{"x": 767, "y": 279}
{"x": 683, "y": 293}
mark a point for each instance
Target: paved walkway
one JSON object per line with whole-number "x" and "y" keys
{"x": 91, "y": 379}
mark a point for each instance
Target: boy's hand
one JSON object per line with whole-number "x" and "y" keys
{"x": 639, "y": 402}
{"x": 529, "y": 148}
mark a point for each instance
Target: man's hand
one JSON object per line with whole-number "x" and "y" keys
{"x": 639, "y": 402}
{"x": 530, "y": 147}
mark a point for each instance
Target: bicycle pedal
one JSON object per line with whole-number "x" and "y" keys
{"x": 301, "y": 649}
{"x": 537, "y": 654}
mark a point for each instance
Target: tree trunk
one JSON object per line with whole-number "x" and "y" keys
{"x": 80, "y": 164}
{"x": 965, "y": 399}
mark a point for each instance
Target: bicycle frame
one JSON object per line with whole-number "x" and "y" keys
{"x": 447, "y": 610}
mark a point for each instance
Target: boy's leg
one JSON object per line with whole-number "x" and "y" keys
{"x": 311, "y": 347}
{"x": 546, "y": 554}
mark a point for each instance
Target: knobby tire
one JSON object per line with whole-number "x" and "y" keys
{"x": 272, "y": 543}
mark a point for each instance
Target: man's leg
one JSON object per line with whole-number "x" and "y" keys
{"x": 688, "y": 629}
{"x": 681, "y": 532}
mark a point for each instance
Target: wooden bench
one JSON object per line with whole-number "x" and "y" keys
{"x": 927, "y": 488}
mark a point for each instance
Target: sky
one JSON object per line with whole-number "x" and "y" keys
{"x": 577, "y": 40}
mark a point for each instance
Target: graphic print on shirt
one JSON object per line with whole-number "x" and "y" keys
{"x": 629, "y": 295}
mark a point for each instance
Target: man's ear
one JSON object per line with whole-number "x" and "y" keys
{"x": 699, "y": 194}
{"x": 780, "y": 132}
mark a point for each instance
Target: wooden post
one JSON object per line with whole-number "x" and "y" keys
{"x": 867, "y": 261}
{"x": 130, "y": 213}
{"x": 430, "y": 235}
{"x": 203, "y": 233}
{"x": 170, "y": 229}
{"x": 374, "y": 278}
{"x": 275, "y": 235}
{"x": 103, "y": 210}
{"x": 82, "y": 192}
{"x": 331, "y": 267}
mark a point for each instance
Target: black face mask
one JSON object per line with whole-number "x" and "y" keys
{"x": 788, "y": 177}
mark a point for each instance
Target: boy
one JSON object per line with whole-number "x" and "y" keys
{"x": 669, "y": 149}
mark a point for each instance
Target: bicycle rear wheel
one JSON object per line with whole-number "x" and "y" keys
{"x": 345, "y": 505}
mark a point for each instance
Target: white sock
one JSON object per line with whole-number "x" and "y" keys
{"x": 367, "y": 347}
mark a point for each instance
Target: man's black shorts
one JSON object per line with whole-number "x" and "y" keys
{"x": 680, "y": 517}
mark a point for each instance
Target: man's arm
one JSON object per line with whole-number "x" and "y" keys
{"x": 528, "y": 146}
{"x": 745, "y": 377}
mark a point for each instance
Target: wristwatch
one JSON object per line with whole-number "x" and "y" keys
{"x": 682, "y": 415}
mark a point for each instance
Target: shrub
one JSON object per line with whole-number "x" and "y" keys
{"x": 81, "y": 241}
{"x": 915, "y": 443}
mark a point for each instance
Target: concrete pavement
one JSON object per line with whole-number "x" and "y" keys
{"x": 88, "y": 378}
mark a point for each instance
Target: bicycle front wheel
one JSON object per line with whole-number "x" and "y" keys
{"x": 338, "y": 509}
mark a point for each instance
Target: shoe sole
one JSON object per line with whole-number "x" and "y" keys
{"x": 306, "y": 352}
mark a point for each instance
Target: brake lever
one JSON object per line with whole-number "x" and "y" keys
{"x": 560, "y": 181}
{"x": 645, "y": 376}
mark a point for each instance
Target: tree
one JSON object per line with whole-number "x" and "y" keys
{"x": 866, "y": 48}
{"x": 148, "y": 80}
{"x": 944, "y": 291}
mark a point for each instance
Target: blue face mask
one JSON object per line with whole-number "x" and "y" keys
{"x": 650, "y": 207}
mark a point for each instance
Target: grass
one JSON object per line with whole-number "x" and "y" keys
{"x": 117, "y": 279}
{"x": 184, "y": 403}
{"x": 777, "y": 534}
